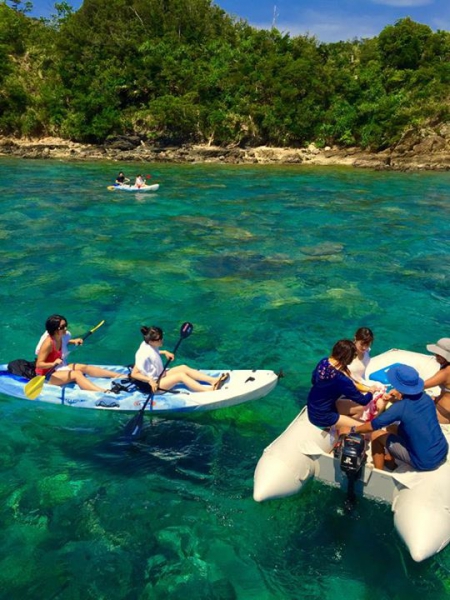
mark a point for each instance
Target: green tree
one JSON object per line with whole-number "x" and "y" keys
{"x": 402, "y": 46}
{"x": 177, "y": 71}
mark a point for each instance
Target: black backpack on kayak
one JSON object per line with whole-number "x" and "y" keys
{"x": 129, "y": 384}
{"x": 22, "y": 368}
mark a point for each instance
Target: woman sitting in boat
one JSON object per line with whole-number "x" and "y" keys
{"x": 363, "y": 340}
{"x": 139, "y": 182}
{"x": 418, "y": 439}
{"x": 52, "y": 352}
{"x": 331, "y": 380}
{"x": 66, "y": 337}
{"x": 149, "y": 367}
{"x": 441, "y": 351}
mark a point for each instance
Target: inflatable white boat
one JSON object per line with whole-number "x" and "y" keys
{"x": 124, "y": 187}
{"x": 420, "y": 500}
{"x": 242, "y": 386}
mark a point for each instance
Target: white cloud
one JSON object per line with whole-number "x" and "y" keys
{"x": 329, "y": 27}
{"x": 440, "y": 23}
{"x": 335, "y": 25}
{"x": 333, "y": 31}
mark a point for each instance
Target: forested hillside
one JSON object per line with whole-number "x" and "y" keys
{"x": 180, "y": 71}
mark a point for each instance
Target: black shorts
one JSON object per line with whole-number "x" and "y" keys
{"x": 142, "y": 386}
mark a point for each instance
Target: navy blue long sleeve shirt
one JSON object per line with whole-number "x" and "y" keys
{"x": 419, "y": 430}
{"x": 328, "y": 385}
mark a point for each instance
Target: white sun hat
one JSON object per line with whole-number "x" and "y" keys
{"x": 442, "y": 348}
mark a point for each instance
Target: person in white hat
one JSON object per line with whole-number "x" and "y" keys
{"x": 441, "y": 351}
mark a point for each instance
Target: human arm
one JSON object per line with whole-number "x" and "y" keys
{"x": 438, "y": 378}
{"x": 389, "y": 416}
{"x": 349, "y": 390}
{"x": 169, "y": 355}
{"x": 368, "y": 386}
{"x": 382, "y": 403}
{"x": 136, "y": 374}
{"x": 384, "y": 417}
{"x": 76, "y": 341}
{"x": 364, "y": 428}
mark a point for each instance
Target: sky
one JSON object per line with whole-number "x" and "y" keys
{"x": 327, "y": 20}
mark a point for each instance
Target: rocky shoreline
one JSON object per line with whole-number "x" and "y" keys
{"x": 428, "y": 149}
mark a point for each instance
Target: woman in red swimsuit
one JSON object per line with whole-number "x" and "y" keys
{"x": 50, "y": 355}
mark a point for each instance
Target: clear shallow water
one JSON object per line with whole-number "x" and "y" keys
{"x": 272, "y": 266}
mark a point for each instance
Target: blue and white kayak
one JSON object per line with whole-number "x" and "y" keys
{"x": 125, "y": 187}
{"x": 242, "y": 386}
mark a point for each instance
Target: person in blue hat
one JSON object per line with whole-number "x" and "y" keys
{"x": 417, "y": 439}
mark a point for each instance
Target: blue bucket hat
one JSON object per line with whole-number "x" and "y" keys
{"x": 405, "y": 380}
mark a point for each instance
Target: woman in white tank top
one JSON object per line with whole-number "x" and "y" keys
{"x": 148, "y": 367}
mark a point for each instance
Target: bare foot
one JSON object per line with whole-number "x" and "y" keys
{"x": 221, "y": 381}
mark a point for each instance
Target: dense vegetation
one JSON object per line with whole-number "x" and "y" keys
{"x": 177, "y": 71}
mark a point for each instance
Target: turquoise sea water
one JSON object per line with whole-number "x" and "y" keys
{"x": 272, "y": 265}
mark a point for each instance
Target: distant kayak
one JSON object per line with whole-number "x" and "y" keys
{"x": 133, "y": 188}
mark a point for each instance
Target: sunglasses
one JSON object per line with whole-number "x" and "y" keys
{"x": 61, "y": 327}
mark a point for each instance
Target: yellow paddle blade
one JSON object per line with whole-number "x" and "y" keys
{"x": 111, "y": 187}
{"x": 97, "y": 326}
{"x": 34, "y": 387}
{"x": 91, "y": 331}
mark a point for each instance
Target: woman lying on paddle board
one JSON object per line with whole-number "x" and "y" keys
{"x": 52, "y": 351}
{"x": 149, "y": 367}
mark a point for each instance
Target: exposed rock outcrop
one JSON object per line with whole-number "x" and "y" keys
{"x": 427, "y": 149}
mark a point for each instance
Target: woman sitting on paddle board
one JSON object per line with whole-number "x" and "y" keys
{"x": 148, "y": 367}
{"x": 52, "y": 350}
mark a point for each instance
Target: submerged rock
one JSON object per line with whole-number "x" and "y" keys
{"x": 325, "y": 249}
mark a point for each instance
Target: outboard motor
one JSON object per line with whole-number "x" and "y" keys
{"x": 352, "y": 458}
